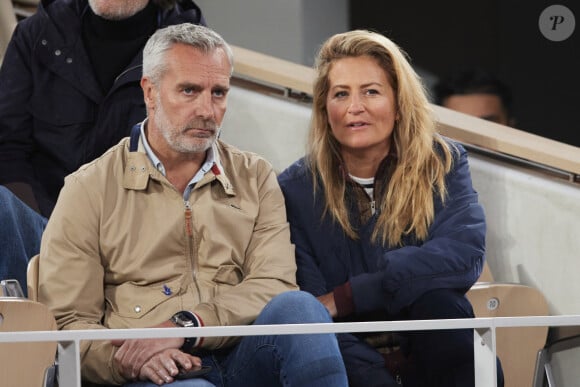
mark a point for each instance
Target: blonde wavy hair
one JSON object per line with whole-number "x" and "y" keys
{"x": 423, "y": 156}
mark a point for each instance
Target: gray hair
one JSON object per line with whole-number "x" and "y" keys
{"x": 200, "y": 37}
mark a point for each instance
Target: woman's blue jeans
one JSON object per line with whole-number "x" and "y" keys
{"x": 21, "y": 230}
{"x": 300, "y": 360}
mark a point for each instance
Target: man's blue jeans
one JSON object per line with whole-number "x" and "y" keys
{"x": 21, "y": 230}
{"x": 300, "y": 360}
{"x": 196, "y": 382}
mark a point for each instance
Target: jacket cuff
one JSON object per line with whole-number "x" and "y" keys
{"x": 343, "y": 300}
{"x": 190, "y": 343}
{"x": 199, "y": 340}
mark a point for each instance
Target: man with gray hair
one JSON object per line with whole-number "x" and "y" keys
{"x": 173, "y": 227}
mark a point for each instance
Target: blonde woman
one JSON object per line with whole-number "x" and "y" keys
{"x": 386, "y": 223}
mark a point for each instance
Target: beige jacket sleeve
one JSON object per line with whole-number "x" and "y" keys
{"x": 71, "y": 277}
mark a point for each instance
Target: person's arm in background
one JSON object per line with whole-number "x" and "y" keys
{"x": 16, "y": 126}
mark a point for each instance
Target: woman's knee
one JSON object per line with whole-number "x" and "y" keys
{"x": 441, "y": 304}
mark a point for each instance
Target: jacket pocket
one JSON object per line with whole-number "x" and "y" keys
{"x": 130, "y": 305}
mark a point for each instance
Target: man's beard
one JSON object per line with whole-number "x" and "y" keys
{"x": 178, "y": 139}
{"x": 117, "y": 9}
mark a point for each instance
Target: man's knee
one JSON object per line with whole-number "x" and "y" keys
{"x": 294, "y": 307}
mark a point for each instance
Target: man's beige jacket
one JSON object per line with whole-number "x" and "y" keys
{"x": 118, "y": 251}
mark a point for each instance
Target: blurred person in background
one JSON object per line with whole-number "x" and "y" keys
{"x": 476, "y": 92}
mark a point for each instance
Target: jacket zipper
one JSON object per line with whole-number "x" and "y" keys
{"x": 190, "y": 243}
{"x": 188, "y": 227}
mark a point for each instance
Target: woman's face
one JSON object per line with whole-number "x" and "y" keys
{"x": 361, "y": 106}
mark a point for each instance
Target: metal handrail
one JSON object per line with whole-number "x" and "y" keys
{"x": 484, "y": 337}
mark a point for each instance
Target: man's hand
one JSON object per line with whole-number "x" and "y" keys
{"x": 133, "y": 354}
{"x": 164, "y": 365}
{"x": 328, "y": 301}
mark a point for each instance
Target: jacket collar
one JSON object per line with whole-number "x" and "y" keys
{"x": 139, "y": 168}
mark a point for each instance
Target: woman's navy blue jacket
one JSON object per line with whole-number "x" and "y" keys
{"x": 54, "y": 116}
{"x": 386, "y": 279}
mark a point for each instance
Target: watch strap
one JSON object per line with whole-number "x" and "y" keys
{"x": 187, "y": 319}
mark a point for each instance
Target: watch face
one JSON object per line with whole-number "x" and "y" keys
{"x": 186, "y": 319}
{"x": 182, "y": 319}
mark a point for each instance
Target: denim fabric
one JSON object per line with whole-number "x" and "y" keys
{"x": 20, "y": 233}
{"x": 301, "y": 360}
{"x": 196, "y": 382}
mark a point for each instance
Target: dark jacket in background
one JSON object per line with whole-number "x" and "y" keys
{"x": 54, "y": 116}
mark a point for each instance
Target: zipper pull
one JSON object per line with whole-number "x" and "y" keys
{"x": 188, "y": 226}
{"x": 373, "y": 207}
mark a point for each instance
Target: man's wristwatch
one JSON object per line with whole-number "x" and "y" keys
{"x": 186, "y": 319}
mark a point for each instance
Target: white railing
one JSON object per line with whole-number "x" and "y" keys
{"x": 484, "y": 337}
